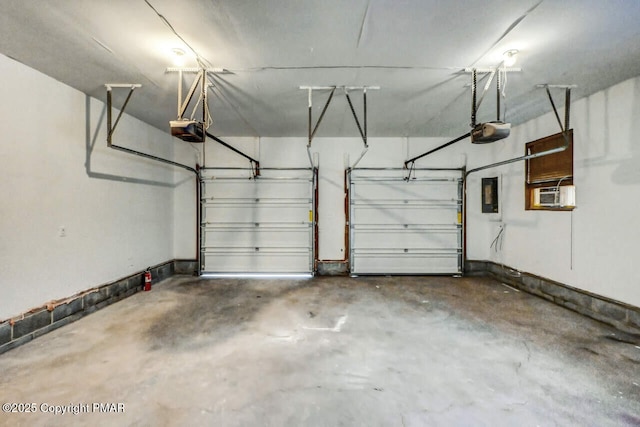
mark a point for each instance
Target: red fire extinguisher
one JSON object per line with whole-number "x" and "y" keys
{"x": 147, "y": 280}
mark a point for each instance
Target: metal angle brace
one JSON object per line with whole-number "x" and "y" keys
{"x": 110, "y": 86}
{"x": 567, "y": 102}
{"x": 111, "y": 127}
{"x": 363, "y": 133}
{"x": 362, "y": 129}
{"x": 200, "y": 78}
{"x": 313, "y": 129}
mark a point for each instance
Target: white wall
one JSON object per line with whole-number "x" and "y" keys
{"x": 185, "y": 203}
{"x": 595, "y": 247}
{"x": 116, "y": 209}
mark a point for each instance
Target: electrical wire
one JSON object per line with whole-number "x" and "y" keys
{"x": 562, "y": 179}
{"x": 344, "y": 66}
{"x": 223, "y": 97}
{"x": 503, "y": 80}
{"x": 556, "y": 197}
{"x": 203, "y": 62}
{"x": 497, "y": 246}
{"x": 497, "y": 242}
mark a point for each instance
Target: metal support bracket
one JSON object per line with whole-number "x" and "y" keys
{"x": 314, "y": 129}
{"x": 199, "y": 80}
{"x": 567, "y": 103}
{"x": 200, "y": 84}
{"x": 362, "y": 129}
{"x": 493, "y": 72}
{"x": 111, "y": 127}
{"x": 110, "y": 86}
{"x": 312, "y": 132}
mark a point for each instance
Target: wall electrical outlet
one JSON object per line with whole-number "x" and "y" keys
{"x": 62, "y": 231}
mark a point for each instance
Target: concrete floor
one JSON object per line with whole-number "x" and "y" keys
{"x": 389, "y": 351}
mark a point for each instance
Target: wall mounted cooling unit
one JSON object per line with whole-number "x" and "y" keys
{"x": 555, "y": 197}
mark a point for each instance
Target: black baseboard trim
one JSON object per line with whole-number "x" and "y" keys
{"x": 52, "y": 315}
{"x": 622, "y": 316}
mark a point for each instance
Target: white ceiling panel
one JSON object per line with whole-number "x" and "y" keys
{"x": 415, "y": 50}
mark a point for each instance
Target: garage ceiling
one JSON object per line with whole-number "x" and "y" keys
{"x": 416, "y": 51}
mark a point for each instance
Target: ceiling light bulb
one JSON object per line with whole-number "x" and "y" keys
{"x": 510, "y": 57}
{"x": 178, "y": 56}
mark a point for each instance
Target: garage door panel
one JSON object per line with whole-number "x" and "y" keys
{"x": 408, "y": 214}
{"x": 256, "y": 262}
{"x": 402, "y": 191}
{"x": 255, "y": 189}
{"x": 410, "y": 239}
{"x": 252, "y": 237}
{"x": 252, "y": 213}
{"x": 419, "y": 263}
{"x": 260, "y": 225}
{"x": 400, "y": 226}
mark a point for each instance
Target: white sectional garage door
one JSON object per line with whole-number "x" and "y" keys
{"x": 400, "y": 226}
{"x": 262, "y": 225}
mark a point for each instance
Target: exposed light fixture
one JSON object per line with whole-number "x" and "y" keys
{"x": 178, "y": 56}
{"x": 510, "y": 57}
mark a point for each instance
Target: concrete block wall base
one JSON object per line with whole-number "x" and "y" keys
{"x": 333, "y": 268}
{"x": 185, "y": 266}
{"x": 34, "y": 323}
{"x": 622, "y": 316}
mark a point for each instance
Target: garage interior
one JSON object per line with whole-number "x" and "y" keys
{"x": 373, "y": 213}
